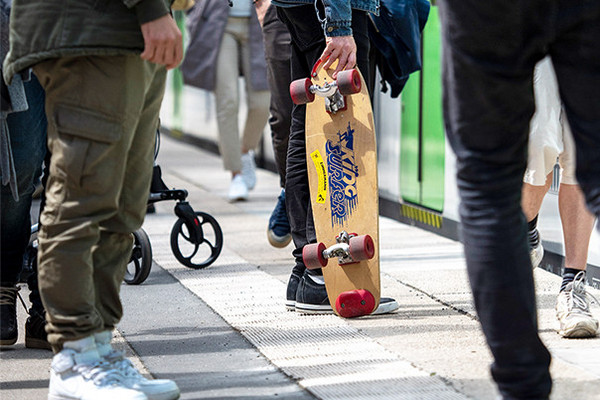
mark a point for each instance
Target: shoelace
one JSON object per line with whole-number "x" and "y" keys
{"x": 101, "y": 373}
{"x": 8, "y": 295}
{"x": 578, "y": 297}
{"x": 123, "y": 365}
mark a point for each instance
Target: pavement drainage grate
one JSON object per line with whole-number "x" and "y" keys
{"x": 328, "y": 357}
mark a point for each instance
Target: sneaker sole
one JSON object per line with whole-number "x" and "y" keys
{"x": 290, "y": 305}
{"x": 313, "y": 309}
{"x": 278, "y": 241}
{"x": 8, "y": 342}
{"x": 386, "y": 308}
{"x": 580, "y": 330}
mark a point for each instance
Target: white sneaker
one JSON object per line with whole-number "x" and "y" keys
{"x": 387, "y": 305}
{"x": 81, "y": 374}
{"x": 249, "y": 169}
{"x": 536, "y": 254}
{"x": 238, "y": 189}
{"x": 154, "y": 389}
{"x": 573, "y": 311}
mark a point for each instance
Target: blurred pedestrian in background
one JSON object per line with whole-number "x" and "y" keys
{"x": 226, "y": 42}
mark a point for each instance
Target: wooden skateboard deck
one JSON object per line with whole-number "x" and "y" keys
{"x": 341, "y": 157}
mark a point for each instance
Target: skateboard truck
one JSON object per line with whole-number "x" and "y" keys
{"x": 349, "y": 249}
{"x": 347, "y": 83}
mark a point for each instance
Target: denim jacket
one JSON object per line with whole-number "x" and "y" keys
{"x": 338, "y": 13}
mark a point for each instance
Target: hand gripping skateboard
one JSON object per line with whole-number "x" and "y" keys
{"x": 342, "y": 172}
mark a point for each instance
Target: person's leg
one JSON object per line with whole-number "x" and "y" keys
{"x": 532, "y": 197}
{"x": 93, "y": 115}
{"x": 227, "y": 104}
{"x": 577, "y": 224}
{"x": 257, "y": 111}
{"x": 277, "y": 44}
{"x": 277, "y": 53}
{"x": 27, "y": 131}
{"x": 488, "y": 103}
{"x": 574, "y": 54}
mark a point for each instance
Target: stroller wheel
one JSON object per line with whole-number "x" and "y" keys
{"x": 140, "y": 262}
{"x": 200, "y": 248}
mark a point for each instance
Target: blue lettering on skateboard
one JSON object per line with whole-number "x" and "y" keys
{"x": 343, "y": 171}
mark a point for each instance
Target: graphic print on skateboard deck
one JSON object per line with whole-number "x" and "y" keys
{"x": 342, "y": 170}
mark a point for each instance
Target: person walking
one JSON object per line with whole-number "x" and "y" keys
{"x": 490, "y": 51}
{"x": 226, "y": 42}
{"x": 550, "y": 139}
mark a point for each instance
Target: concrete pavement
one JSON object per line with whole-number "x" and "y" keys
{"x": 223, "y": 332}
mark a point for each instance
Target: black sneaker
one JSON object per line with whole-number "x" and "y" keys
{"x": 8, "y": 315}
{"x": 292, "y": 288}
{"x": 311, "y": 297}
{"x": 278, "y": 232}
{"x": 35, "y": 332}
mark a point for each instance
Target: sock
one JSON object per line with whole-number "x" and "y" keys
{"x": 568, "y": 277}
{"x": 532, "y": 232}
{"x": 318, "y": 279}
{"x": 86, "y": 349}
{"x": 103, "y": 343}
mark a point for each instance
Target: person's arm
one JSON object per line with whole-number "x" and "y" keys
{"x": 340, "y": 43}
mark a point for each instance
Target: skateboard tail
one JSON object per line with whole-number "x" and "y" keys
{"x": 355, "y": 303}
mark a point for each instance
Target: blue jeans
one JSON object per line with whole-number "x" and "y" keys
{"x": 28, "y": 141}
{"x": 308, "y": 44}
{"x": 490, "y": 50}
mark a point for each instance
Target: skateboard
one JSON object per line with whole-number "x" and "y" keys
{"x": 341, "y": 157}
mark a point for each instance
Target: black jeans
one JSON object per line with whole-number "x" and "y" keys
{"x": 308, "y": 43}
{"x": 277, "y": 53}
{"x": 490, "y": 50}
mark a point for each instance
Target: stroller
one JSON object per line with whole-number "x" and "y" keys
{"x": 196, "y": 237}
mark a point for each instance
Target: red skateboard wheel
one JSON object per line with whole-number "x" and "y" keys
{"x": 361, "y": 248}
{"x": 348, "y": 82}
{"x": 300, "y": 91}
{"x": 312, "y": 255}
{"x": 355, "y": 303}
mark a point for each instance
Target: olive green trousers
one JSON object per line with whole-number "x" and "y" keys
{"x": 102, "y": 119}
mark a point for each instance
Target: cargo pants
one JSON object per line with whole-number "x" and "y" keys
{"x": 102, "y": 119}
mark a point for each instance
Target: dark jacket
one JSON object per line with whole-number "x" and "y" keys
{"x": 338, "y": 12}
{"x": 206, "y": 26}
{"x": 42, "y": 29}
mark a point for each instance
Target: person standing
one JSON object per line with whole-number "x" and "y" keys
{"x": 102, "y": 66}
{"x": 550, "y": 139}
{"x": 226, "y": 42}
{"x": 23, "y": 137}
{"x": 490, "y": 51}
{"x": 328, "y": 31}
